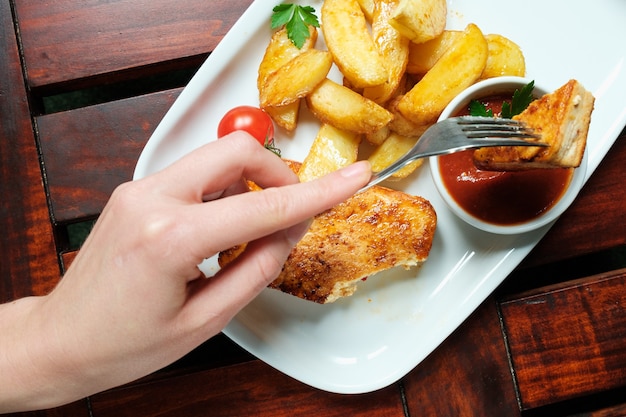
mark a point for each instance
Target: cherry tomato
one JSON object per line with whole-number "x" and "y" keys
{"x": 250, "y": 119}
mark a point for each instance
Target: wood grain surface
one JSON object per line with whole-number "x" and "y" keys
{"x": 87, "y": 152}
{"x": 29, "y": 264}
{"x": 551, "y": 349}
{"x": 69, "y": 41}
{"x": 568, "y": 340}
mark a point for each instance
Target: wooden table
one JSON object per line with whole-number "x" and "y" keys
{"x": 550, "y": 341}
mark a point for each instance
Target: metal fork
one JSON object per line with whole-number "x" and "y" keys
{"x": 458, "y": 134}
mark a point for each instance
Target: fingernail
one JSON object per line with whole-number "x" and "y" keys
{"x": 356, "y": 169}
{"x": 295, "y": 233}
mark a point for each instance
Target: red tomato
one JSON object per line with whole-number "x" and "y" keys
{"x": 250, "y": 119}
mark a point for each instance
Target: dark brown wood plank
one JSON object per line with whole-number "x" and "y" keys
{"x": 468, "y": 375}
{"x": 67, "y": 258}
{"x": 568, "y": 340}
{"x": 88, "y": 152}
{"x": 248, "y": 389}
{"x": 596, "y": 220}
{"x": 75, "y": 409}
{"x": 29, "y": 264}
{"x": 73, "y": 39}
{"x": 616, "y": 411}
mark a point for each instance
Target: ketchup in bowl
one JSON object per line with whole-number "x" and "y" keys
{"x": 501, "y": 198}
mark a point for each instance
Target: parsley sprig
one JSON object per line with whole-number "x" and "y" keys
{"x": 296, "y": 20}
{"x": 521, "y": 99}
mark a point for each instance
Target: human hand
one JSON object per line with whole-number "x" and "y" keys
{"x": 134, "y": 299}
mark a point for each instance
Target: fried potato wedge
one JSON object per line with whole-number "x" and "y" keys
{"x": 459, "y": 67}
{"x": 279, "y": 52}
{"x": 392, "y": 46}
{"x": 379, "y": 136}
{"x": 345, "y": 109}
{"x": 296, "y": 78}
{"x": 332, "y": 149}
{"x": 400, "y": 124}
{"x": 505, "y": 57}
{"x": 368, "y": 9}
{"x": 420, "y": 20}
{"x": 285, "y": 116}
{"x": 423, "y": 56}
{"x": 390, "y": 150}
{"x": 348, "y": 39}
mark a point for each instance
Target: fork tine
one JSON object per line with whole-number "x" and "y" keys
{"x": 512, "y": 140}
{"x": 497, "y": 133}
{"x": 475, "y": 127}
{"x": 501, "y": 127}
{"x": 461, "y": 133}
{"x": 470, "y": 120}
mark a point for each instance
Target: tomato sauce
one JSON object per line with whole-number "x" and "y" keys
{"x": 503, "y": 198}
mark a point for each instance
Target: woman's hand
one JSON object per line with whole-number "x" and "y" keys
{"x": 134, "y": 299}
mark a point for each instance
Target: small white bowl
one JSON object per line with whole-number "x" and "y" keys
{"x": 486, "y": 88}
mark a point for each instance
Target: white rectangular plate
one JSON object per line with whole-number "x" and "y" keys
{"x": 372, "y": 339}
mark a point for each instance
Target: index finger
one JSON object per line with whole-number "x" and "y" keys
{"x": 220, "y": 164}
{"x": 226, "y": 222}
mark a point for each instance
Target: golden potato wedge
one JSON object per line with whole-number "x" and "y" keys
{"x": 296, "y": 78}
{"x": 348, "y": 39}
{"x": 423, "y": 56}
{"x": 393, "y": 47}
{"x": 378, "y": 137}
{"x": 459, "y": 67}
{"x": 332, "y": 149}
{"x": 285, "y": 116}
{"x": 390, "y": 150}
{"x": 505, "y": 58}
{"x": 400, "y": 124}
{"x": 368, "y": 9}
{"x": 279, "y": 51}
{"x": 345, "y": 109}
{"x": 420, "y": 20}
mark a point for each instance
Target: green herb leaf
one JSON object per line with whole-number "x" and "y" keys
{"x": 521, "y": 99}
{"x": 477, "y": 108}
{"x": 296, "y": 20}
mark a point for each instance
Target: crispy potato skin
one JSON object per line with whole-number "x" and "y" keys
{"x": 348, "y": 39}
{"x": 392, "y": 46}
{"x": 424, "y": 56}
{"x": 331, "y": 150}
{"x": 346, "y": 109}
{"x": 367, "y": 6}
{"x": 391, "y": 150}
{"x": 278, "y": 53}
{"x": 505, "y": 58}
{"x": 296, "y": 79}
{"x": 459, "y": 67}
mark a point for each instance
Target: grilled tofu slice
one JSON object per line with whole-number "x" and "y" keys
{"x": 372, "y": 231}
{"x": 561, "y": 118}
